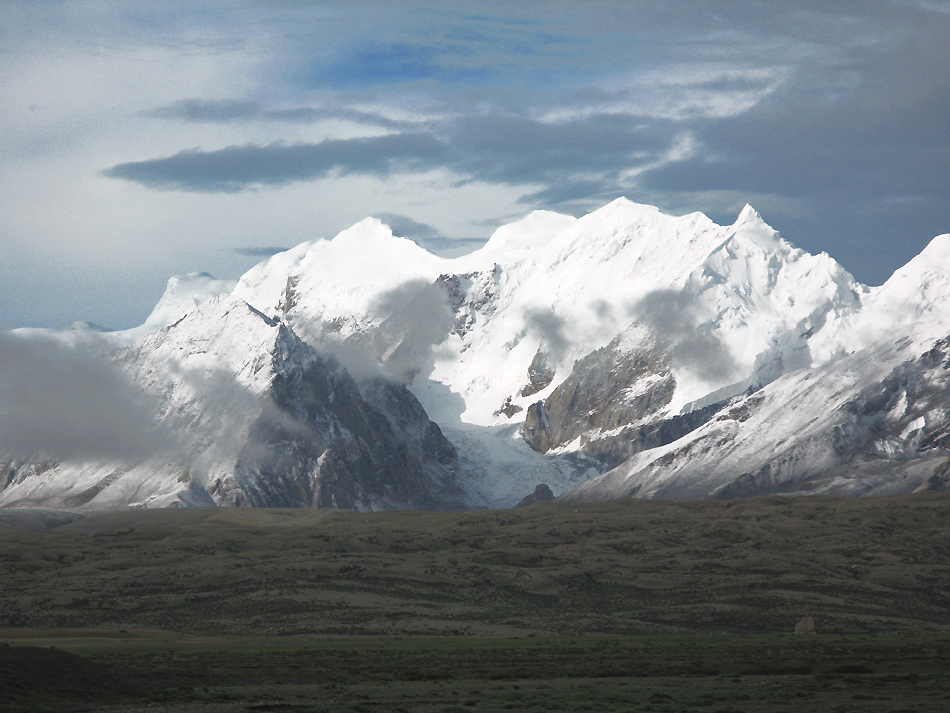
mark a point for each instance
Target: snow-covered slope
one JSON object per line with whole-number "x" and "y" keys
{"x": 252, "y": 415}
{"x": 682, "y": 355}
{"x": 182, "y": 294}
{"x": 549, "y": 290}
{"x": 873, "y": 422}
{"x": 914, "y": 301}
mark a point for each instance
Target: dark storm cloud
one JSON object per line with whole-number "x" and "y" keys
{"x": 238, "y": 167}
{"x": 68, "y": 402}
{"x": 672, "y": 317}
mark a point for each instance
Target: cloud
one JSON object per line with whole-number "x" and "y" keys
{"x": 236, "y": 168}
{"x": 450, "y": 247}
{"x": 550, "y": 327}
{"x": 672, "y": 318}
{"x": 71, "y": 402}
{"x": 419, "y": 317}
{"x": 406, "y": 227}
{"x": 582, "y": 158}
{"x": 229, "y": 111}
{"x": 202, "y": 110}
{"x": 520, "y": 150}
{"x": 837, "y": 113}
{"x": 413, "y": 318}
{"x": 426, "y": 236}
{"x": 259, "y": 252}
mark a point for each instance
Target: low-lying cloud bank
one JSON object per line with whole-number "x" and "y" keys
{"x": 63, "y": 402}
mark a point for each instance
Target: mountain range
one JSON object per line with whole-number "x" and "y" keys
{"x": 624, "y": 353}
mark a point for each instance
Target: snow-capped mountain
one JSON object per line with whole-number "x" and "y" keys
{"x": 251, "y": 415}
{"x": 625, "y": 352}
{"x": 875, "y": 420}
{"x": 182, "y": 294}
{"x": 872, "y": 423}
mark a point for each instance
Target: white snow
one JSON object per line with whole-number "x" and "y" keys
{"x": 736, "y": 306}
{"x": 207, "y": 372}
{"x": 182, "y": 294}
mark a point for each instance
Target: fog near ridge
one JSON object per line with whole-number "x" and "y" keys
{"x": 65, "y": 402}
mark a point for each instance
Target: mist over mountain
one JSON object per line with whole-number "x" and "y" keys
{"x": 624, "y": 353}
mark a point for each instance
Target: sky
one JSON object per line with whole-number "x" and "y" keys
{"x": 143, "y": 139}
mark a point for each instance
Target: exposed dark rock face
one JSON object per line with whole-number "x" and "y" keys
{"x": 613, "y": 449}
{"x": 541, "y": 494}
{"x": 420, "y": 439}
{"x": 537, "y": 428}
{"x": 469, "y": 295}
{"x": 509, "y": 409}
{"x": 906, "y": 413}
{"x": 256, "y": 417}
{"x": 611, "y": 388}
{"x": 319, "y": 443}
{"x": 540, "y": 374}
{"x": 939, "y": 482}
{"x": 16, "y": 470}
{"x": 890, "y": 436}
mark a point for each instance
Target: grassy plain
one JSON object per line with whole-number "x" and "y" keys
{"x": 629, "y": 605}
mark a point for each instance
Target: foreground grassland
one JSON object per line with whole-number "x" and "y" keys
{"x": 626, "y": 567}
{"x": 629, "y": 605}
{"x": 161, "y": 672}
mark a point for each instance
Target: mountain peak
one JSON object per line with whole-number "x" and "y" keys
{"x": 534, "y": 230}
{"x": 182, "y": 294}
{"x": 368, "y": 229}
{"x": 938, "y": 250}
{"x": 918, "y": 292}
{"x": 629, "y": 210}
{"x": 748, "y": 215}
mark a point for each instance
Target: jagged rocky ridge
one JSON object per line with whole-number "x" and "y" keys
{"x": 853, "y": 427}
{"x": 254, "y": 416}
{"x": 627, "y": 352}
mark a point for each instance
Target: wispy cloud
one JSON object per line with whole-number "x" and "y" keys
{"x": 265, "y": 251}
{"x": 238, "y": 167}
{"x": 835, "y": 114}
{"x": 406, "y": 227}
{"x": 227, "y": 111}
{"x": 577, "y": 158}
{"x": 673, "y": 318}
